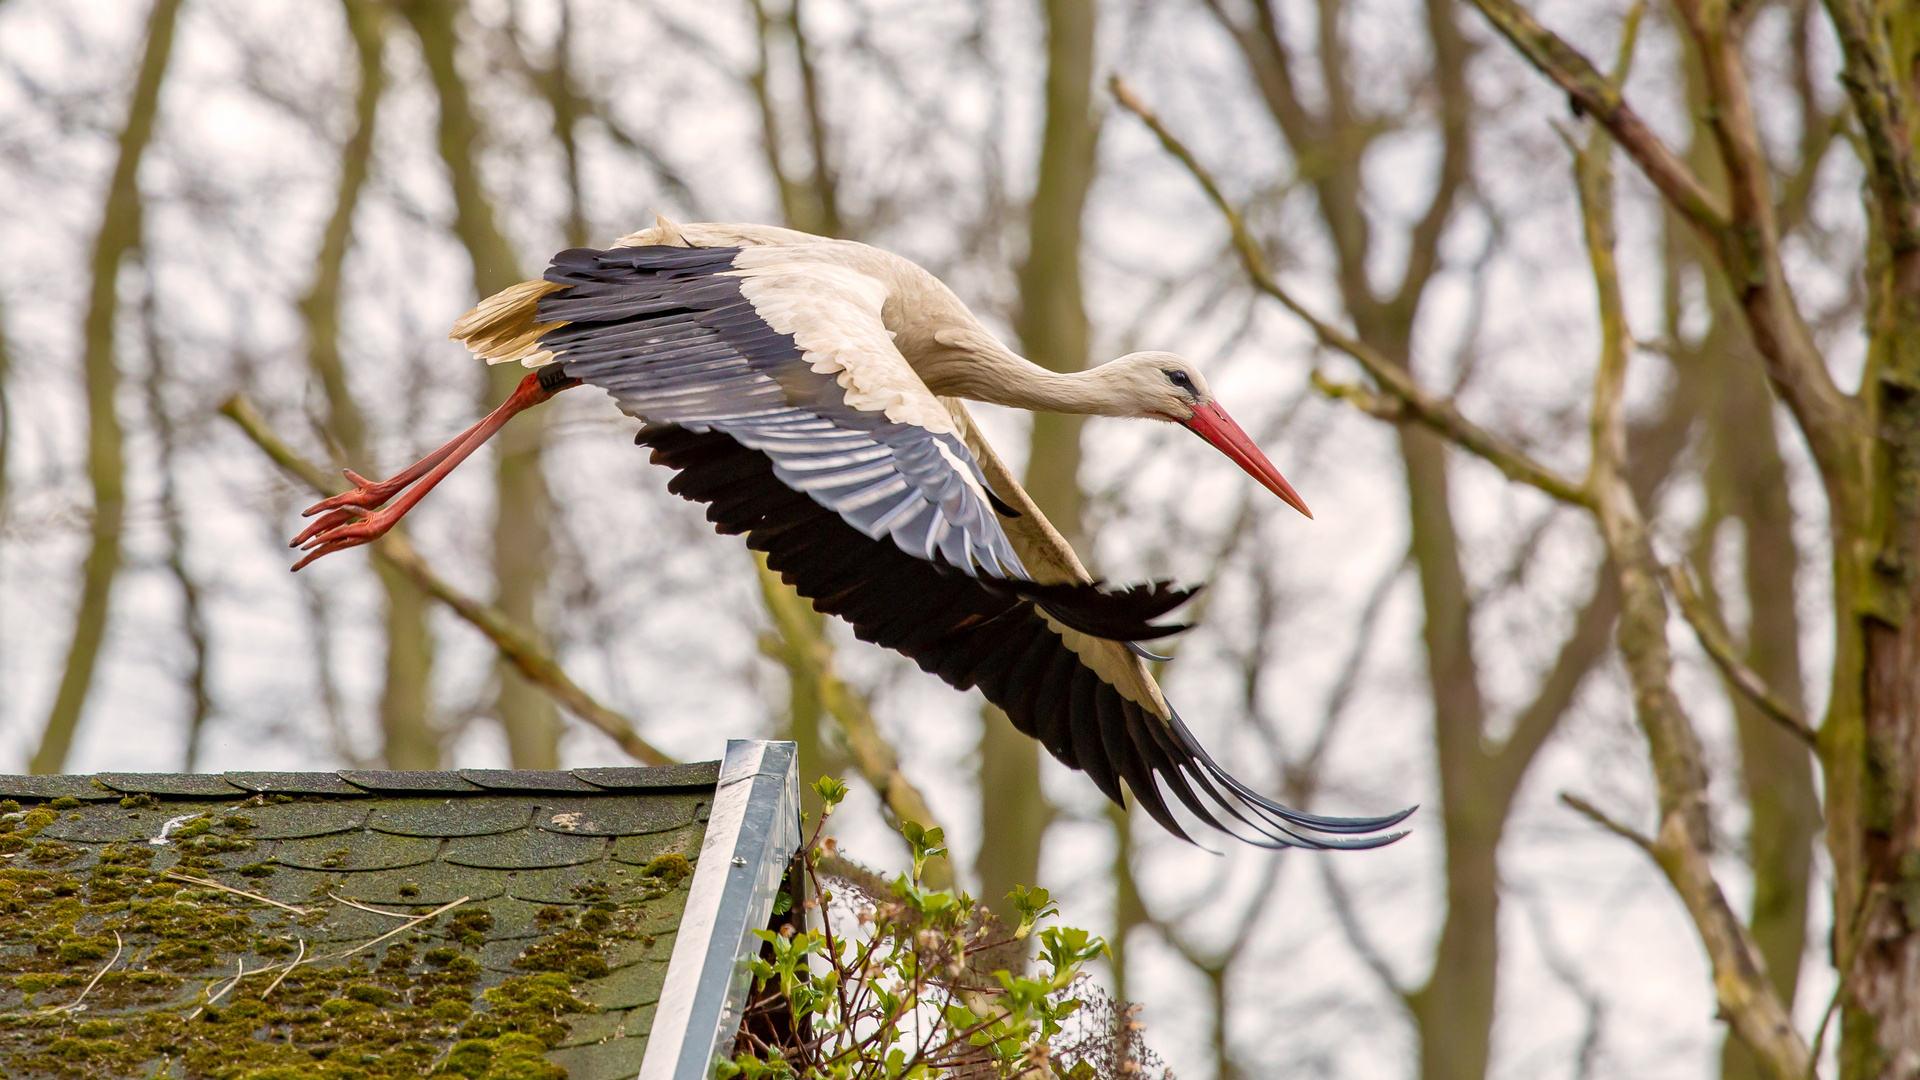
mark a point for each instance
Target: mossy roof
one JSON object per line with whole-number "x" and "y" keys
{"x": 553, "y": 896}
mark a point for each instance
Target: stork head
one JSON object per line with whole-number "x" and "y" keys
{"x": 1163, "y": 386}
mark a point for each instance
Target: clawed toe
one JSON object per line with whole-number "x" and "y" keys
{"x": 344, "y": 516}
{"x": 365, "y": 495}
{"x": 336, "y": 532}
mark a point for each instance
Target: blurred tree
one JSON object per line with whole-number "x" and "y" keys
{"x": 6, "y": 416}
{"x": 794, "y": 120}
{"x": 408, "y": 738}
{"x": 120, "y": 233}
{"x": 521, "y": 538}
{"x": 1866, "y": 446}
{"x": 1479, "y": 777}
{"x": 1052, "y": 325}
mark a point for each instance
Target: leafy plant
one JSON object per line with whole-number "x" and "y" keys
{"x": 921, "y": 986}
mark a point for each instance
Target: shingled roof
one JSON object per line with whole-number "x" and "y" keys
{"x": 482, "y": 923}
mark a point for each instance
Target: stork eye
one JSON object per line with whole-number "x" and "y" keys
{"x": 1179, "y": 378}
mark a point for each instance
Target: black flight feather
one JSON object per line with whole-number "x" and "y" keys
{"x": 986, "y": 633}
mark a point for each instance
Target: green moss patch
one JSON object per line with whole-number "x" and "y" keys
{"x": 115, "y": 969}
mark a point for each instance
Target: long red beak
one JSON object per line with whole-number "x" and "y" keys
{"x": 1212, "y": 423}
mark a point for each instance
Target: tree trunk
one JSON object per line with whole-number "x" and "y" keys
{"x": 521, "y": 535}
{"x": 1052, "y": 324}
{"x": 1877, "y": 756}
{"x": 1454, "y": 1010}
{"x": 119, "y": 233}
{"x": 1750, "y": 482}
{"x": 408, "y": 740}
{"x": 1870, "y": 743}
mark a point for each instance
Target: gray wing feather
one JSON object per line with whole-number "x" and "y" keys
{"x": 675, "y": 342}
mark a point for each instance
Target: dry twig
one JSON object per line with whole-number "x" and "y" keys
{"x": 208, "y": 883}
{"x": 408, "y": 925}
{"x": 363, "y": 907}
{"x": 277, "y": 979}
{"x": 75, "y": 1004}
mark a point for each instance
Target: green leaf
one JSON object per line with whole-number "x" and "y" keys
{"x": 831, "y": 790}
{"x": 1033, "y": 904}
{"x": 923, "y": 843}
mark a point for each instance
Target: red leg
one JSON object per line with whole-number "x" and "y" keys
{"x": 349, "y": 524}
{"x": 373, "y": 494}
{"x": 365, "y": 495}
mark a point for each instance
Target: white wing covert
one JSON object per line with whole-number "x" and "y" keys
{"x": 788, "y": 359}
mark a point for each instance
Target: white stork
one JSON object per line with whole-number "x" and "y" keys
{"x": 807, "y": 390}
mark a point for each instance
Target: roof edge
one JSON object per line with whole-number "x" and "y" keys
{"x": 753, "y": 829}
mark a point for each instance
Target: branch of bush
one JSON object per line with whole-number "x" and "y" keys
{"x": 898, "y": 999}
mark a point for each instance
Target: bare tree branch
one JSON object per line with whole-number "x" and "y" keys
{"x": 1437, "y": 413}
{"x": 1720, "y": 648}
{"x": 517, "y": 645}
{"x": 1599, "y": 817}
{"x": 1743, "y": 236}
{"x": 1595, "y": 94}
{"x": 1683, "y": 844}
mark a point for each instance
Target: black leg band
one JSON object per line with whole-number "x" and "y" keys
{"x": 553, "y": 378}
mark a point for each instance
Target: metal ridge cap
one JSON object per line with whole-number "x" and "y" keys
{"x": 753, "y": 830}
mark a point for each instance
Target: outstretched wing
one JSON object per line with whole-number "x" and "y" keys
{"x": 788, "y": 356}
{"x": 1086, "y": 699}
{"x": 801, "y": 370}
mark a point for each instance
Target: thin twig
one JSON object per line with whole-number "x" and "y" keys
{"x": 222, "y": 992}
{"x": 364, "y": 907}
{"x": 1599, "y": 817}
{"x": 74, "y": 1005}
{"x": 206, "y": 883}
{"x": 1434, "y": 411}
{"x": 275, "y": 984}
{"x": 1719, "y": 646}
{"x": 408, "y": 925}
{"x": 1857, "y": 928}
{"x": 516, "y": 643}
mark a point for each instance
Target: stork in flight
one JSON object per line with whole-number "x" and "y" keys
{"x": 807, "y": 390}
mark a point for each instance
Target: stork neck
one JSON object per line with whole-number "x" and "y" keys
{"x": 1081, "y": 393}
{"x": 977, "y": 367}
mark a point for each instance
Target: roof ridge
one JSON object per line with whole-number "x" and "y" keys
{"x": 354, "y": 783}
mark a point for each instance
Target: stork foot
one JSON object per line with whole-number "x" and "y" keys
{"x": 365, "y": 495}
{"x": 361, "y": 516}
{"x": 345, "y": 528}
